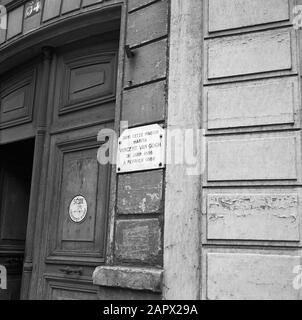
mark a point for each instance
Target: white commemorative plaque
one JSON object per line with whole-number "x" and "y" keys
{"x": 141, "y": 149}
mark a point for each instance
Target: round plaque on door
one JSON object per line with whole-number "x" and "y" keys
{"x": 78, "y": 209}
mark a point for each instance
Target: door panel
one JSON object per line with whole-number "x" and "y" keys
{"x": 17, "y": 98}
{"x": 89, "y": 77}
{"x": 74, "y": 290}
{"x": 78, "y": 174}
{"x": 85, "y": 85}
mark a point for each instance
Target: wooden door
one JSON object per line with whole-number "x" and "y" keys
{"x": 77, "y": 195}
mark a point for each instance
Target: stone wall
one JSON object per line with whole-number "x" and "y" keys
{"x": 251, "y": 228}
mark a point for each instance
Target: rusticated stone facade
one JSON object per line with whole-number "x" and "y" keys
{"x": 229, "y": 67}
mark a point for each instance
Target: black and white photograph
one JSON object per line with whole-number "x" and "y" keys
{"x": 150, "y": 154}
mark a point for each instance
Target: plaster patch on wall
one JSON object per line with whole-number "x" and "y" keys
{"x": 253, "y": 217}
{"x": 140, "y": 193}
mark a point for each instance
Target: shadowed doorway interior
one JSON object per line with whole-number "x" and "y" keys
{"x": 16, "y": 162}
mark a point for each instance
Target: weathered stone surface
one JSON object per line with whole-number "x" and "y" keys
{"x": 231, "y": 14}
{"x": 182, "y": 197}
{"x": 145, "y": 104}
{"x": 15, "y": 22}
{"x": 252, "y": 159}
{"x": 140, "y": 193}
{"x": 251, "y": 277}
{"x": 129, "y": 278}
{"x": 249, "y": 54}
{"x": 253, "y": 217}
{"x": 257, "y": 103}
{"x": 149, "y": 64}
{"x": 148, "y": 23}
{"x": 139, "y": 240}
